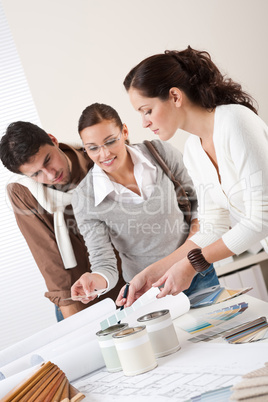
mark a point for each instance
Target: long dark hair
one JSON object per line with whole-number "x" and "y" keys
{"x": 193, "y": 72}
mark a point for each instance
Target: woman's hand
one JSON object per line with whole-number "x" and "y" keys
{"x": 137, "y": 287}
{"x": 176, "y": 279}
{"x": 86, "y": 284}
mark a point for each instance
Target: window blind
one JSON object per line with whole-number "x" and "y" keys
{"x": 23, "y": 308}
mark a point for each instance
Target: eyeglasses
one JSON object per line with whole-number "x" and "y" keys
{"x": 95, "y": 149}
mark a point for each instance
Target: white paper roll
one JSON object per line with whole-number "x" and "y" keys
{"x": 75, "y": 363}
{"x": 23, "y": 363}
{"x": 57, "y": 331}
{"x": 80, "y": 361}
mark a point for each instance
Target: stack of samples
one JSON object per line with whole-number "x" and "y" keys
{"x": 254, "y": 385}
{"x": 47, "y": 384}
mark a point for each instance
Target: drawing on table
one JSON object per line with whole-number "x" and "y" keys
{"x": 195, "y": 370}
{"x": 164, "y": 385}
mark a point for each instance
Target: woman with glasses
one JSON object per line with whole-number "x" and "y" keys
{"x": 226, "y": 156}
{"x": 126, "y": 201}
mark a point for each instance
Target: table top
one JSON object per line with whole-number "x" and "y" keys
{"x": 195, "y": 368}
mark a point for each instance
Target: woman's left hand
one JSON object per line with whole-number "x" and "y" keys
{"x": 176, "y": 279}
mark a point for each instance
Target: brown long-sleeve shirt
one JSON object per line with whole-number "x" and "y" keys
{"x": 36, "y": 225}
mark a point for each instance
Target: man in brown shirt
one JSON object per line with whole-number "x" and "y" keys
{"x": 28, "y": 150}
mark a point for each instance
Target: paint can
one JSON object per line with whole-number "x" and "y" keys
{"x": 107, "y": 346}
{"x": 161, "y": 332}
{"x": 135, "y": 350}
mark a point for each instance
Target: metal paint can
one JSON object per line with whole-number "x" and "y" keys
{"x": 161, "y": 332}
{"x": 135, "y": 350}
{"x": 107, "y": 346}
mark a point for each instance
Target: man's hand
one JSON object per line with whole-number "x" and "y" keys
{"x": 86, "y": 284}
{"x": 176, "y": 279}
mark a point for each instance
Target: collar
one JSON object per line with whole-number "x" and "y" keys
{"x": 103, "y": 185}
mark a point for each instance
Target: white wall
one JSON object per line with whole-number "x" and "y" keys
{"x": 76, "y": 52}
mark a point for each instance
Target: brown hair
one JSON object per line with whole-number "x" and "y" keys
{"x": 96, "y": 113}
{"x": 193, "y": 72}
{"x": 20, "y": 143}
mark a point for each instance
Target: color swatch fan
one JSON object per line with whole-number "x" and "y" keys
{"x": 214, "y": 295}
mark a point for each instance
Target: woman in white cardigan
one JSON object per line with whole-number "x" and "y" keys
{"x": 226, "y": 156}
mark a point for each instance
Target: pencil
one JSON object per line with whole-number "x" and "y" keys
{"x": 125, "y": 294}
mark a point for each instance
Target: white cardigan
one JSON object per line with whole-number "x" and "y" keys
{"x": 237, "y": 208}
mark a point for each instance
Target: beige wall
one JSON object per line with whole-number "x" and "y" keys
{"x": 76, "y": 52}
